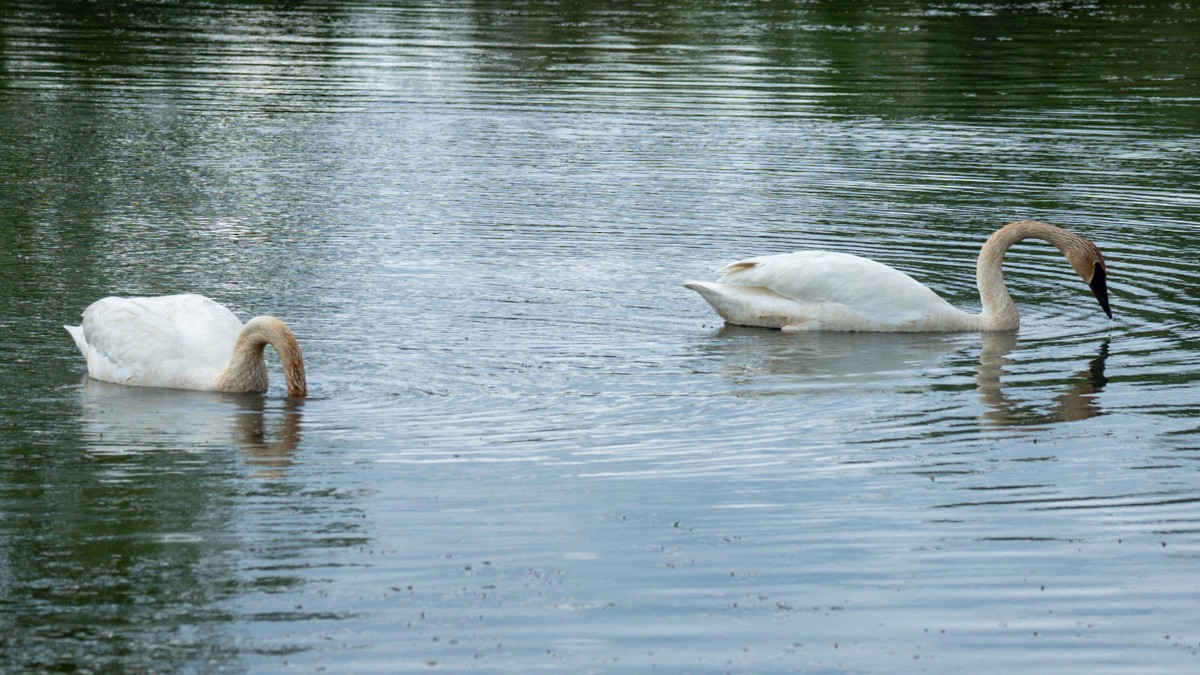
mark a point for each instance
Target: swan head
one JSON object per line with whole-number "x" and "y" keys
{"x": 1088, "y": 263}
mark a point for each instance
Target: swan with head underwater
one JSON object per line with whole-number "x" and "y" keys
{"x": 184, "y": 342}
{"x": 827, "y": 291}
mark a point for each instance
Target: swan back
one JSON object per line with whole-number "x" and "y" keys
{"x": 838, "y": 291}
{"x": 181, "y": 341}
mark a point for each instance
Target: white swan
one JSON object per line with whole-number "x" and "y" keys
{"x": 820, "y": 290}
{"x": 184, "y": 342}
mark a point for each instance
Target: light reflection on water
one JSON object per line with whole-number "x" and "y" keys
{"x": 528, "y": 447}
{"x": 118, "y": 420}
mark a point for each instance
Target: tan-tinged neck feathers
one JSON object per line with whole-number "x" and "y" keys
{"x": 999, "y": 310}
{"x": 247, "y": 371}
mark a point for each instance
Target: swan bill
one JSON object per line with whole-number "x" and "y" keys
{"x": 1099, "y": 287}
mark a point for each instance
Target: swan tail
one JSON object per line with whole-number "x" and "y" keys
{"x": 749, "y": 305}
{"x": 80, "y": 341}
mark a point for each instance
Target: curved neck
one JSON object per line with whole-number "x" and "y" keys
{"x": 999, "y": 310}
{"x": 247, "y": 371}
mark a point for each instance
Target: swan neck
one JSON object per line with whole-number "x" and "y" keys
{"x": 999, "y": 310}
{"x": 247, "y": 370}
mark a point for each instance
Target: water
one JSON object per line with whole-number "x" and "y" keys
{"x": 527, "y": 447}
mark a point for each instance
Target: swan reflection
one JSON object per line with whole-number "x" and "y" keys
{"x": 1075, "y": 401}
{"x": 129, "y": 420}
{"x": 824, "y": 361}
{"x": 772, "y": 362}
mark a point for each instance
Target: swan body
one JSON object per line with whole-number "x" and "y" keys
{"x": 184, "y": 342}
{"x": 821, "y": 290}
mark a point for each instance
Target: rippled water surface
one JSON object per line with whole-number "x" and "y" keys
{"x": 527, "y": 447}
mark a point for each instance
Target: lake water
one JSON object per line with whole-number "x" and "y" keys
{"x": 527, "y": 447}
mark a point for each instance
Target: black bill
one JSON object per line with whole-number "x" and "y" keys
{"x": 1099, "y": 287}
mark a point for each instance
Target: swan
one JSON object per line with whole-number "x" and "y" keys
{"x": 827, "y": 291}
{"x": 184, "y": 342}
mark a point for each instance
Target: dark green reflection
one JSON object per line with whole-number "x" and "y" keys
{"x": 114, "y": 536}
{"x": 120, "y": 538}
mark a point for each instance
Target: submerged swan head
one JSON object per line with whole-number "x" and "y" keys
{"x": 248, "y": 372}
{"x": 184, "y": 341}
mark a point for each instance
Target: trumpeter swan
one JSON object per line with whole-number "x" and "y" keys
{"x": 184, "y": 342}
{"x": 821, "y": 290}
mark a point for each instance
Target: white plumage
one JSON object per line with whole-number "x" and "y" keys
{"x": 183, "y": 342}
{"x": 822, "y": 290}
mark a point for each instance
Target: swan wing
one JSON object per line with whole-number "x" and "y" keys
{"x": 175, "y": 341}
{"x": 752, "y": 305}
{"x": 124, "y": 339}
{"x": 207, "y": 330}
{"x": 845, "y": 292}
